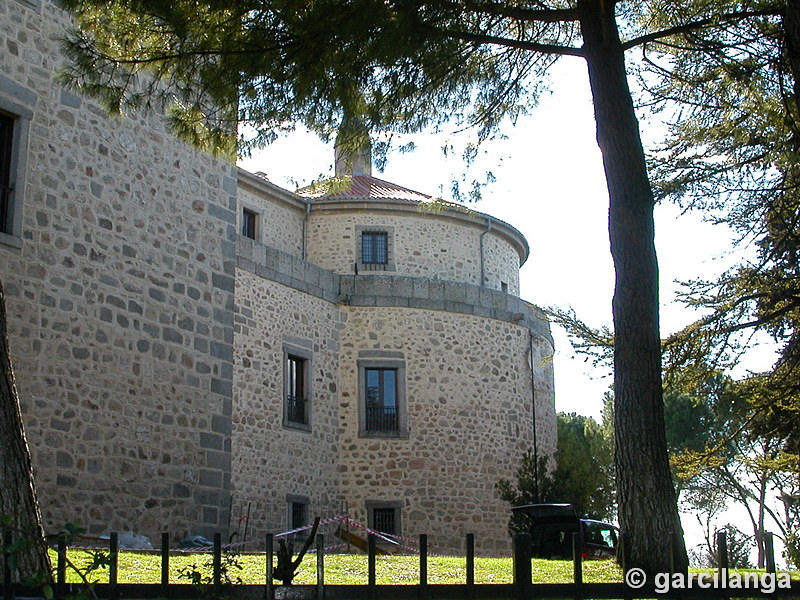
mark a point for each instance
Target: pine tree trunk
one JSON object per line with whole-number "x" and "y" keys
{"x": 18, "y": 502}
{"x": 648, "y": 510}
{"x": 791, "y": 31}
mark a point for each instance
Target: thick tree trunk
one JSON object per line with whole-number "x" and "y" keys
{"x": 791, "y": 30}
{"x": 18, "y": 504}
{"x": 648, "y": 510}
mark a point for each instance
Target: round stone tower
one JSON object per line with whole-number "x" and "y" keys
{"x": 445, "y": 377}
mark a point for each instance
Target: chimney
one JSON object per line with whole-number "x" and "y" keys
{"x": 352, "y": 150}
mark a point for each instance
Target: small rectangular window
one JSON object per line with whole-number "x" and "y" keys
{"x": 384, "y": 516}
{"x": 381, "y": 397}
{"x": 384, "y": 521}
{"x": 299, "y": 514}
{"x": 296, "y": 390}
{"x": 374, "y": 248}
{"x": 6, "y": 149}
{"x": 249, "y": 221}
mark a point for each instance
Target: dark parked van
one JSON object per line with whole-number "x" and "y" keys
{"x": 552, "y": 526}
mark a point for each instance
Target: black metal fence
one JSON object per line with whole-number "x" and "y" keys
{"x": 522, "y": 587}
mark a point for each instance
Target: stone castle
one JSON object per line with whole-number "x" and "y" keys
{"x": 191, "y": 341}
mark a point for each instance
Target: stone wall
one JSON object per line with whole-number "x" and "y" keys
{"x": 469, "y": 421}
{"x": 280, "y": 213}
{"x": 119, "y": 284}
{"x": 271, "y": 460}
{"x": 470, "y": 413}
{"x": 433, "y": 245}
{"x": 501, "y": 264}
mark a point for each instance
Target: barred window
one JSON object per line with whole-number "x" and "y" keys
{"x": 381, "y": 396}
{"x": 383, "y": 520}
{"x": 385, "y": 516}
{"x": 297, "y": 387}
{"x": 374, "y": 248}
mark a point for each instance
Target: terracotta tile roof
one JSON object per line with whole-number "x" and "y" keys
{"x": 361, "y": 186}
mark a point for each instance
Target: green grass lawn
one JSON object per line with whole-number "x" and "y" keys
{"x": 344, "y": 569}
{"x": 136, "y": 567}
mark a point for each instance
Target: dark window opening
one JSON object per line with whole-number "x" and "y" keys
{"x": 383, "y": 520}
{"x": 298, "y": 514}
{"x": 374, "y": 248}
{"x": 249, "y": 220}
{"x": 381, "y": 400}
{"x": 296, "y": 401}
{"x": 6, "y": 143}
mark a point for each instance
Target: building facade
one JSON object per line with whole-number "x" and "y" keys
{"x": 192, "y": 343}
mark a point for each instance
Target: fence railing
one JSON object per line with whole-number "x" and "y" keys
{"x": 522, "y": 587}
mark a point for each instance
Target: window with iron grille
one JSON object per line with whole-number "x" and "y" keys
{"x": 249, "y": 221}
{"x": 6, "y": 149}
{"x": 297, "y": 388}
{"x": 381, "y": 400}
{"x": 384, "y": 516}
{"x": 299, "y": 514}
{"x": 374, "y": 247}
{"x": 382, "y": 395}
{"x": 383, "y": 520}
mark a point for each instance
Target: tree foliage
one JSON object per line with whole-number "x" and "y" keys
{"x": 733, "y": 152}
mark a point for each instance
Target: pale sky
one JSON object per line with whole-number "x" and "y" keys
{"x": 550, "y": 185}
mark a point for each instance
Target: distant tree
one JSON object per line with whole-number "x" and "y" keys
{"x": 738, "y": 544}
{"x": 583, "y": 473}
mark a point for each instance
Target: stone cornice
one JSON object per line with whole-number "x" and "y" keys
{"x": 385, "y": 290}
{"x": 269, "y": 189}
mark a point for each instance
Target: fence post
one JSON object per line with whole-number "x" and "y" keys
{"x": 769, "y": 550}
{"x": 470, "y": 559}
{"x": 522, "y": 563}
{"x": 113, "y": 550}
{"x": 61, "y": 564}
{"x": 164, "y": 562}
{"x": 269, "y": 587}
{"x": 625, "y": 547}
{"x": 722, "y": 554}
{"x": 423, "y": 566}
{"x": 7, "y": 593}
{"x": 722, "y": 550}
{"x": 470, "y": 595}
{"x": 675, "y": 558}
{"x": 217, "y": 562}
{"x": 320, "y": 567}
{"x": 371, "y": 579}
{"x": 577, "y": 562}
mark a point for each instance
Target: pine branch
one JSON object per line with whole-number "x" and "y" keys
{"x": 720, "y": 21}
{"x": 509, "y": 43}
